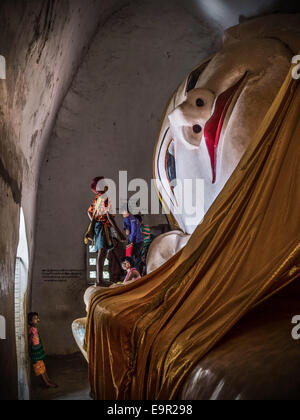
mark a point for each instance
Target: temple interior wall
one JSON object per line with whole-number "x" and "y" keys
{"x": 43, "y": 43}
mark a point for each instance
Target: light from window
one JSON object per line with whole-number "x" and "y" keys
{"x": 106, "y": 275}
{"x": 93, "y": 261}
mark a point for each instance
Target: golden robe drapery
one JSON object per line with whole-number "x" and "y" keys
{"x": 143, "y": 339}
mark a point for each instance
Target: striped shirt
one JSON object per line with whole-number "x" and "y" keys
{"x": 146, "y": 232}
{"x": 37, "y": 351}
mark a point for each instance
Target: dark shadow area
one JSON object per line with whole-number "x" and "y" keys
{"x": 70, "y": 373}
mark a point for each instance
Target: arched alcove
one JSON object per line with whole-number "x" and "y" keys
{"x": 2, "y": 328}
{"x": 21, "y": 289}
{"x": 2, "y": 67}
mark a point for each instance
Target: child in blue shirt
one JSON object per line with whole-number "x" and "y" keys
{"x": 132, "y": 228}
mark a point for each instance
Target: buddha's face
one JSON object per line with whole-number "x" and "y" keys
{"x": 213, "y": 118}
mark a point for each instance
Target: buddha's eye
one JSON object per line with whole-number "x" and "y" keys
{"x": 199, "y": 102}
{"x": 197, "y": 129}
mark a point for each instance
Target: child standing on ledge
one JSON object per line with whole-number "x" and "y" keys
{"x": 98, "y": 211}
{"x": 37, "y": 352}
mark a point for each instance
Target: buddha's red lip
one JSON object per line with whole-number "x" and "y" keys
{"x": 214, "y": 125}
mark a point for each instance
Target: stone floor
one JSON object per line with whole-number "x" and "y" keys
{"x": 70, "y": 373}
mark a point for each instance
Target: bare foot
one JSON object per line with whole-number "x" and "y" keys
{"x": 51, "y": 385}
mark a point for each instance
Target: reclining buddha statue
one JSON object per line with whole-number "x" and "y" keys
{"x": 213, "y": 317}
{"x": 212, "y": 117}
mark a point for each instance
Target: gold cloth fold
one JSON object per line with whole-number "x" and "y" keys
{"x": 145, "y": 338}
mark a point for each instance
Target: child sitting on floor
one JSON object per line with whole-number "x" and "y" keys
{"x": 132, "y": 273}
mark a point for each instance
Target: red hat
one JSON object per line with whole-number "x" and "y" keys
{"x": 95, "y": 182}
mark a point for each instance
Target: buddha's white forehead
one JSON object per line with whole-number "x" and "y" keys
{"x": 251, "y": 46}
